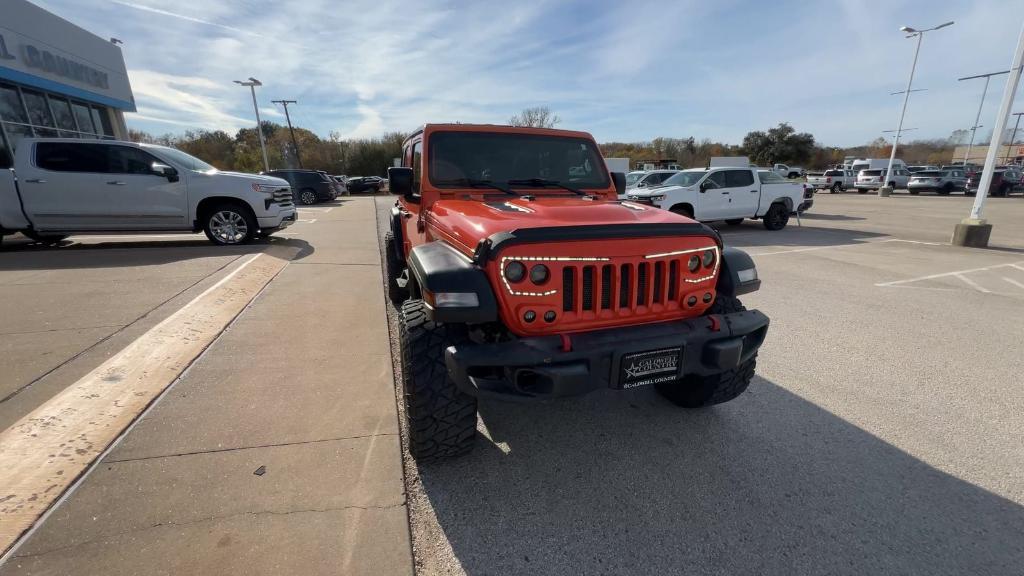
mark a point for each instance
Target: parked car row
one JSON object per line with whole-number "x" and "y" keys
{"x": 310, "y": 186}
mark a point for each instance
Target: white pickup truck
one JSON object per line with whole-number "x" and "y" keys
{"x": 730, "y": 194}
{"x": 835, "y": 180}
{"x": 61, "y": 186}
{"x": 789, "y": 171}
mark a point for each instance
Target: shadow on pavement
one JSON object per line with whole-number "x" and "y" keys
{"x": 768, "y": 484}
{"x": 815, "y": 216}
{"x": 751, "y": 234}
{"x": 29, "y": 255}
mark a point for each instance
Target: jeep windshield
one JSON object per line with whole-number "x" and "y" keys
{"x": 456, "y": 158}
{"x": 685, "y": 179}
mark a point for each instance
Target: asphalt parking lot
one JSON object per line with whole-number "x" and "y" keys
{"x": 882, "y": 434}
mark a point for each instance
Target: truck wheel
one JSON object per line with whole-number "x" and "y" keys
{"x": 777, "y": 217}
{"x": 47, "y": 239}
{"x": 734, "y": 221}
{"x": 914, "y": 192}
{"x": 393, "y": 268}
{"x": 229, "y": 224}
{"x": 837, "y": 188}
{"x": 442, "y": 418}
{"x": 307, "y": 196}
{"x": 700, "y": 391}
{"x": 683, "y": 211}
{"x": 861, "y": 191}
{"x": 946, "y": 190}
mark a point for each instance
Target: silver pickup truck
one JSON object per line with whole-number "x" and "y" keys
{"x": 834, "y": 180}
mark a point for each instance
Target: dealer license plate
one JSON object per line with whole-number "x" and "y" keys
{"x": 651, "y": 367}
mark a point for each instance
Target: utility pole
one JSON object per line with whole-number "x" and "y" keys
{"x": 885, "y": 190}
{"x": 984, "y": 91}
{"x": 974, "y": 231}
{"x": 295, "y": 145}
{"x": 252, "y": 84}
{"x": 1014, "y": 137}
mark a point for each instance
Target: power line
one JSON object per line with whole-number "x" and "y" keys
{"x": 295, "y": 145}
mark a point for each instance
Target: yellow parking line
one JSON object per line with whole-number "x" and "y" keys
{"x": 45, "y": 452}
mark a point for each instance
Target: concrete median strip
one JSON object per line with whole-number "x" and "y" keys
{"x": 44, "y": 453}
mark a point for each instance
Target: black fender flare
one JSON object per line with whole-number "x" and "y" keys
{"x": 735, "y": 260}
{"x": 438, "y": 268}
{"x": 396, "y": 231}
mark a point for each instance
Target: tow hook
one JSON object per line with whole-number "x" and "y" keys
{"x": 566, "y": 343}
{"x": 716, "y": 325}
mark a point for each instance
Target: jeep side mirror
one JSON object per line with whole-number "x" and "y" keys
{"x": 400, "y": 181}
{"x": 166, "y": 171}
{"x": 619, "y": 179}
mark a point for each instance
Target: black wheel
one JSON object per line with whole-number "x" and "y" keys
{"x": 777, "y": 217}
{"x": 861, "y": 191}
{"x": 837, "y": 188}
{"x": 230, "y": 223}
{"x": 701, "y": 391}
{"x": 47, "y": 239}
{"x": 683, "y": 211}
{"x": 442, "y": 418}
{"x": 945, "y": 190}
{"x": 734, "y": 221}
{"x": 307, "y": 196}
{"x": 914, "y": 192}
{"x": 1001, "y": 192}
{"x": 393, "y": 268}
{"x": 969, "y": 192}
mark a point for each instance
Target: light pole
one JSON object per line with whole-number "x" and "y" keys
{"x": 911, "y": 32}
{"x": 252, "y": 84}
{"x": 984, "y": 91}
{"x": 973, "y": 230}
{"x": 1014, "y": 137}
{"x": 291, "y": 130}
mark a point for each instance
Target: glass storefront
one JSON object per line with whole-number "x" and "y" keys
{"x": 27, "y": 112}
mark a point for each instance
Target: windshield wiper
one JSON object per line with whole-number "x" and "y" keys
{"x": 476, "y": 183}
{"x": 541, "y": 183}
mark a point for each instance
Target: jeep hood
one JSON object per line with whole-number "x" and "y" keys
{"x": 465, "y": 222}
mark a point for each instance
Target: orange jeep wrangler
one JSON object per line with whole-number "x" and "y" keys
{"x": 520, "y": 275}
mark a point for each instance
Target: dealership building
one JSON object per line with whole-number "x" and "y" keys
{"x": 57, "y": 80}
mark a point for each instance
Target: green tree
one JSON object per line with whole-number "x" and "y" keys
{"x": 779, "y": 144}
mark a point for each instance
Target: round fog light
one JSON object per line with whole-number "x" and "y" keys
{"x": 515, "y": 271}
{"x": 709, "y": 258}
{"x": 694, "y": 263}
{"x": 539, "y": 274}
{"x": 549, "y": 316}
{"x": 530, "y": 316}
{"x": 691, "y": 301}
{"x": 707, "y": 297}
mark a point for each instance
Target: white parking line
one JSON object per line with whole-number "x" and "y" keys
{"x": 947, "y": 274}
{"x": 1014, "y": 282}
{"x": 972, "y": 283}
{"x": 310, "y": 221}
{"x": 324, "y": 210}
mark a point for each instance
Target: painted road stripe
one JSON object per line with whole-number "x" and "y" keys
{"x": 43, "y": 453}
{"x": 946, "y": 274}
{"x": 1014, "y": 282}
{"x": 972, "y": 283}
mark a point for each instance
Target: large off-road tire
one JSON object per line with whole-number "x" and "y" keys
{"x": 48, "y": 239}
{"x": 442, "y": 418}
{"x": 695, "y": 391}
{"x": 229, "y": 224}
{"x": 393, "y": 268}
{"x": 776, "y": 217}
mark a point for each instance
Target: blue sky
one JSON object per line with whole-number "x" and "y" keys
{"x": 625, "y": 71}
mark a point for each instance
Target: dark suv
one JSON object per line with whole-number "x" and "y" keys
{"x": 1005, "y": 179}
{"x": 358, "y": 184}
{"x": 308, "y": 186}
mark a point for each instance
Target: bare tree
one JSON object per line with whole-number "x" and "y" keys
{"x": 536, "y": 117}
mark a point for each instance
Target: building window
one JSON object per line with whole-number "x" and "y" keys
{"x": 27, "y": 113}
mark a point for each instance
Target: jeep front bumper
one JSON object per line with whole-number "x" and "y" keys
{"x": 553, "y": 366}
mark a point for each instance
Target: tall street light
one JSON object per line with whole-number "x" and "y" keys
{"x": 911, "y": 32}
{"x": 984, "y": 91}
{"x": 252, "y": 84}
{"x": 973, "y": 230}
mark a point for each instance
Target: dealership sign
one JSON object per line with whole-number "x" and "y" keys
{"x": 42, "y": 59}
